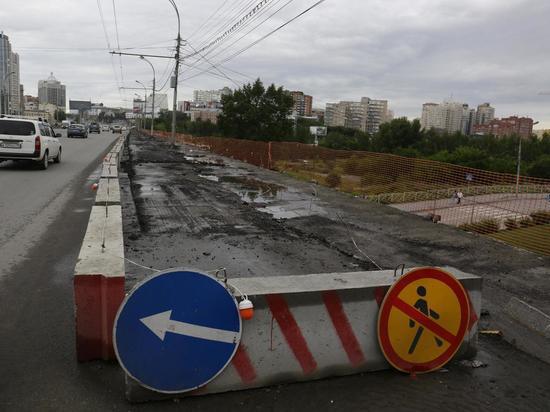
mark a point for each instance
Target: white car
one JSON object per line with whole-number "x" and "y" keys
{"x": 22, "y": 139}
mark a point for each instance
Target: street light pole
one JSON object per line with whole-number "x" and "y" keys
{"x": 144, "y": 113}
{"x": 154, "y": 86}
{"x": 518, "y": 171}
{"x": 176, "y": 72}
{"x": 6, "y": 96}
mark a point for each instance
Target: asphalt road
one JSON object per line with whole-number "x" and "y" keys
{"x": 44, "y": 216}
{"x": 30, "y": 198}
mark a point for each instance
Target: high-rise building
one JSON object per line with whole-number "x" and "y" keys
{"x": 208, "y": 96}
{"x": 51, "y": 91}
{"x": 302, "y": 103}
{"x": 10, "y": 91}
{"x": 449, "y": 117}
{"x": 366, "y": 115}
{"x": 485, "y": 113}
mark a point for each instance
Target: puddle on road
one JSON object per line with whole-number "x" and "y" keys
{"x": 212, "y": 178}
{"x": 301, "y": 208}
{"x": 252, "y": 190}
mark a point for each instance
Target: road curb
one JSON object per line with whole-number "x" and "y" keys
{"x": 99, "y": 276}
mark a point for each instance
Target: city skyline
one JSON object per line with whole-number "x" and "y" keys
{"x": 407, "y": 54}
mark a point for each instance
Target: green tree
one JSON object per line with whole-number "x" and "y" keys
{"x": 540, "y": 167}
{"x": 59, "y": 115}
{"x": 397, "y": 133}
{"x": 254, "y": 112}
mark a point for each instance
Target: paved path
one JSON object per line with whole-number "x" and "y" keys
{"x": 477, "y": 208}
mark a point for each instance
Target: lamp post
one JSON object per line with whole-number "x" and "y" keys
{"x": 519, "y": 163}
{"x": 176, "y": 71}
{"x": 153, "y": 103}
{"x": 7, "y": 98}
{"x": 144, "y": 113}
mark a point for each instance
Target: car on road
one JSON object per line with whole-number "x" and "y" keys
{"x": 22, "y": 139}
{"x": 105, "y": 128}
{"x": 116, "y": 128}
{"x": 77, "y": 130}
{"x": 94, "y": 128}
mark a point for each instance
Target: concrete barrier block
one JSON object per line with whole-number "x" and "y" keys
{"x": 99, "y": 283}
{"x": 309, "y": 327}
{"x": 109, "y": 171}
{"x": 108, "y": 192}
{"x": 529, "y": 316}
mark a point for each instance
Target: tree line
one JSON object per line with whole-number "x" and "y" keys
{"x": 258, "y": 113}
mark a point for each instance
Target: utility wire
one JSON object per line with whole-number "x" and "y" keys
{"x": 271, "y": 32}
{"x": 109, "y": 46}
{"x": 118, "y": 41}
{"x": 226, "y": 18}
{"x": 261, "y": 38}
{"x": 250, "y": 31}
{"x": 220, "y": 38}
{"x": 207, "y": 20}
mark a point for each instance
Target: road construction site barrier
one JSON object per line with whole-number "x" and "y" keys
{"x": 312, "y": 326}
{"x": 499, "y": 205}
{"x": 99, "y": 273}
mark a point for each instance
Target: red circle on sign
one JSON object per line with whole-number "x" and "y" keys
{"x": 388, "y": 304}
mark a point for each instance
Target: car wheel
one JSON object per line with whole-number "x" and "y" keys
{"x": 45, "y": 161}
{"x": 57, "y": 159}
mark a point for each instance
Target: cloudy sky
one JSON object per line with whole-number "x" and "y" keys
{"x": 408, "y": 52}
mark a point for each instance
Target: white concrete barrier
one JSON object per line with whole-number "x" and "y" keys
{"x": 99, "y": 272}
{"x": 312, "y": 326}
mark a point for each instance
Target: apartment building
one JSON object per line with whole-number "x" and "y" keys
{"x": 302, "y": 103}
{"x": 508, "y": 126}
{"x": 208, "y": 96}
{"x": 366, "y": 115}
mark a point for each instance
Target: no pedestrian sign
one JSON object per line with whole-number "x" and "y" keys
{"x": 177, "y": 330}
{"x": 423, "y": 320}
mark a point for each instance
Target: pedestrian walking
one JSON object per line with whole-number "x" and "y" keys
{"x": 459, "y": 197}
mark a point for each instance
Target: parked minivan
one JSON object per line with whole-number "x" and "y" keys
{"x": 22, "y": 139}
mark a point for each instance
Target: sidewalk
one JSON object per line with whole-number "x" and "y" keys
{"x": 184, "y": 207}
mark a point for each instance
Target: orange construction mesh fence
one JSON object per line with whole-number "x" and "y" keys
{"x": 516, "y": 211}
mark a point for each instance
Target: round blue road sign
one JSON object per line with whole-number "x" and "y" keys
{"x": 177, "y": 330}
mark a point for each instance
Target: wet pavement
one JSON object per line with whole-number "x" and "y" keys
{"x": 183, "y": 207}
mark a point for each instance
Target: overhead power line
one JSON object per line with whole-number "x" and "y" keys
{"x": 207, "y": 20}
{"x": 118, "y": 41}
{"x": 260, "y": 39}
{"x": 228, "y": 47}
{"x": 272, "y": 32}
{"x": 257, "y": 8}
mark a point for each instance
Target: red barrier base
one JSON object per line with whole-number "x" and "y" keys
{"x": 97, "y": 299}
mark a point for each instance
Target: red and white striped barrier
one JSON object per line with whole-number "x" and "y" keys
{"x": 99, "y": 272}
{"x": 312, "y": 326}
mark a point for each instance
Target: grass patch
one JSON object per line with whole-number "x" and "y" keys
{"x": 535, "y": 238}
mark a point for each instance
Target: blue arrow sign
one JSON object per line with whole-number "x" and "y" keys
{"x": 177, "y": 330}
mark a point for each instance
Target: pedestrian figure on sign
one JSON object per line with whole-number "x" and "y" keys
{"x": 422, "y": 305}
{"x": 459, "y": 197}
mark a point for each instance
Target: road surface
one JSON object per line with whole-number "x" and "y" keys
{"x": 37, "y": 353}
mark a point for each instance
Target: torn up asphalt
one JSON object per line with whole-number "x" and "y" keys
{"x": 186, "y": 207}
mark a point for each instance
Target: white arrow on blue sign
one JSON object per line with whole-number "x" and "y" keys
{"x": 177, "y": 330}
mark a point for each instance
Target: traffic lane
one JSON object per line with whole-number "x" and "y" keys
{"x": 26, "y": 192}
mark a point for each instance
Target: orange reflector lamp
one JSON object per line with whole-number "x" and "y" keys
{"x": 246, "y": 309}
